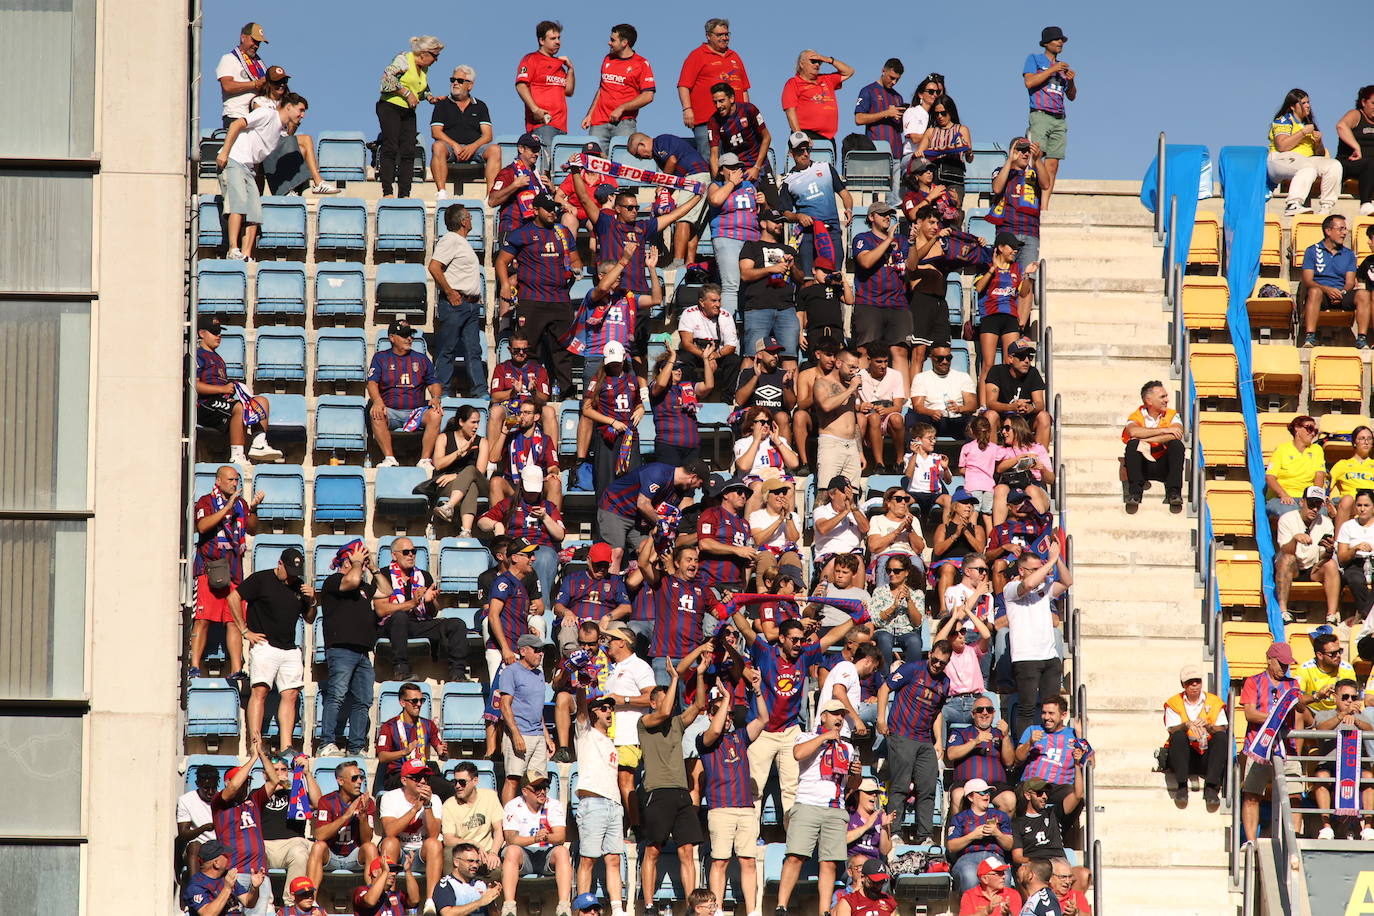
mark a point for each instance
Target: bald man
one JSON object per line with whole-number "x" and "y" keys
{"x": 406, "y": 604}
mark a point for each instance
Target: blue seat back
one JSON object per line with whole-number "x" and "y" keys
{"x": 389, "y": 700}
{"x": 210, "y": 221}
{"x": 267, "y": 548}
{"x": 978, "y": 225}
{"x": 341, "y": 223}
{"x": 342, "y": 155}
{"x": 283, "y": 486}
{"x": 961, "y": 353}
{"x": 340, "y": 355}
{"x": 233, "y": 350}
{"x": 978, "y": 173}
{"x": 340, "y": 493}
{"x": 568, "y": 145}
{"x": 451, "y": 405}
{"x": 509, "y": 145}
{"x": 569, "y": 415}
{"x": 418, "y": 343}
{"x": 395, "y": 494}
{"x": 283, "y": 223}
{"x": 461, "y": 561}
{"x": 279, "y": 354}
{"x": 280, "y": 289}
{"x": 340, "y": 423}
{"x": 477, "y": 235}
{"x": 212, "y": 707}
{"x": 954, "y": 298}
{"x": 221, "y": 287}
{"x": 288, "y": 417}
{"x": 204, "y": 477}
{"x": 400, "y": 225}
{"x": 340, "y": 290}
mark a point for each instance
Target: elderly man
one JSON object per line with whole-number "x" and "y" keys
{"x": 808, "y": 99}
{"x": 1328, "y": 281}
{"x": 708, "y": 327}
{"x": 535, "y": 833}
{"x": 407, "y": 606}
{"x": 521, "y": 688}
{"x": 991, "y": 896}
{"x": 242, "y": 74}
{"x": 224, "y": 519}
{"x": 461, "y": 128}
{"x": 1307, "y": 553}
{"x": 1154, "y": 448}
{"x": 457, "y": 274}
{"x": 400, "y": 383}
{"x": 1196, "y": 723}
{"x": 709, "y": 64}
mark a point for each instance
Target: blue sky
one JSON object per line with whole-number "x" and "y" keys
{"x": 1201, "y": 72}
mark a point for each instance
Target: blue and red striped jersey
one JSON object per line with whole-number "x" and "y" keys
{"x": 515, "y": 608}
{"x": 611, "y": 235}
{"x": 1024, "y": 532}
{"x": 965, "y": 822}
{"x": 881, "y": 285}
{"x": 592, "y": 599}
{"x": 396, "y": 733}
{"x": 1017, "y": 208}
{"x": 678, "y": 609}
{"x": 519, "y": 208}
{"x": 524, "y": 448}
{"x": 238, "y": 825}
{"x": 986, "y": 760}
{"x": 642, "y": 604}
{"x": 874, "y": 98}
{"x": 616, "y": 396}
{"x": 733, "y": 530}
{"x": 1051, "y": 757}
{"x": 689, "y": 161}
{"x": 330, "y": 809}
{"x": 1050, "y": 95}
{"x": 201, "y": 889}
{"x": 402, "y": 379}
{"x": 726, "y": 762}
{"x": 674, "y": 423}
{"x": 541, "y": 262}
{"x": 210, "y": 367}
{"x": 780, "y": 610}
{"x": 534, "y": 377}
{"x": 228, "y": 540}
{"x": 520, "y": 523}
{"x": 653, "y": 480}
{"x": 617, "y": 323}
{"x": 737, "y": 217}
{"x": 999, "y": 296}
{"x": 915, "y": 700}
{"x": 784, "y": 682}
{"x": 740, "y": 133}
{"x": 393, "y": 903}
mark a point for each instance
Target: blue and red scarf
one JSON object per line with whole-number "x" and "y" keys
{"x": 298, "y": 808}
{"x": 1265, "y": 743}
{"x": 399, "y": 579}
{"x": 625, "y": 172}
{"x": 251, "y": 65}
{"x": 232, "y": 533}
{"x": 252, "y": 416}
{"x": 665, "y": 532}
{"x": 342, "y": 553}
{"x": 629, "y": 445}
{"x": 1347, "y": 801}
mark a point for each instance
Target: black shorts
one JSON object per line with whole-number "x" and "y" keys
{"x": 872, "y": 323}
{"x": 670, "y": 812}
{"x": 1345, "y": 304}
{"x": 215, "y": 412}
{"x": 929, "y": 320}
{"x": 999, "y": 325}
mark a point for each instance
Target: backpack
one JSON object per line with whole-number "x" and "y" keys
{"x": 856, "y": 142}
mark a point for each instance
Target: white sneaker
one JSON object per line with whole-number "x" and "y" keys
{"x": 1326, "y": 833}
{"x": 330, "y": 750}
{"x": 1295, "y": 209}
{"x": 234, "y": 254}
{"x": 508, "y": 908}
{"x": 444, "y": 511}
{"x": 1367, "y": 208}
{"x": 1324, "y": 208}
{"x": 1367, "y": 833}
{"x": 389, "y": 462}
{"x": 236, "y": 456}
{"x": 324, "y": 187}
{"x": 429, "y": 908}
{"x": 261, "y": 451}
{"x": 441, "y": 194}
{"x": 425, "y": 463}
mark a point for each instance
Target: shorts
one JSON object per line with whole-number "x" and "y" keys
{"x": 984, "y": 500}
{"x": 818, "y": 832}
{"x": 1050, "y": 131}
{"x": 670, "y": 812}
{"x": 1346, "y": 303}
{"x": 534, "y": 760}
{"x": 212, "y": 604}
{"x": 476, "y": 156}
{"x": 397, "y": 417}
{"x": 734, "y": 832}
{"x": 536, "y": 861}
{"x": 874, "y": 323}
{"x": 697, "y": 212}
{"x": 617, "y": 530}
{"x": 240, "y": 191}
{"x": 270, "y": 666}
{"x": 926, "y": 501}
{"x": 630, "y": 755}
{"x": 351, "y": 862}
{"x": 1258, "y": 776}
{"x": 215, "y": 412}
{"x": 929, "y": 320}
{"x": 999, "y": 325}
{"x": 600, "y": 827}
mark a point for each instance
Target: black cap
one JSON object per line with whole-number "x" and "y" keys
{"x": 771, "y": 215}
{"x": 520, "y": 545}
{"x": 792, "y": 572}
{"x": 1006, "y": 238}
{"x": 530, "y": 141}
{"x": 209, "y": 323}
{"x": 293, "y": 561}
{"x": 604, "y": 192}
{"x": 723, "y": 486}
{"x": 592, "y": 147}
{"x": 1051, "y": 33}
{"x": 545, "y": 202}
{"x": 698, "y": 469}
{"x": 212, "y": 850}
{"x": 400, "y": 327}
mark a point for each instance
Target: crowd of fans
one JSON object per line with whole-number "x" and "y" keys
{"x": 718, "y": 650}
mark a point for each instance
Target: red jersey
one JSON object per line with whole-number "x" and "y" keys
{"x": 860, "y": 904}
{"x": 817, "y": 107}
{"x": 593, "y": 181}
{"x": 547, "y": 78}
{"x": 702, "y": 69}
{"x": 621, "y": 80}
{"x": 976, "y": 898}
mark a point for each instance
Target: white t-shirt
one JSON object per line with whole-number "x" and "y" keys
{"x": 1352, "y": 533}
{"x": 915, "y": 120}
{"x": 1291, "y": 523}
{"x": 940, "y": 390}
{"x": 597, "y": 761}
{"x": 721, "y": 329}
{"x": 524, "y": 822}
{"x": 882, "y": 526}
{"x": 1194, "y": 710}
{"x": 461, "y": 267}
{"x": 824, "y": 773}
{"x": 926, "y": 475}
{"x": 629, "y": 678}
{"x": 958, "y": 593}
{"x": 759, "y": 520}
{"x": 192, "y": 809}
{"x": 761, "y": 454}
{"x": 394, "y": 804}
{"x": 1030, "y": 618}
{"x": 889, "y": 388}
{"x": 845, "y": 674}
{"x": 833, "y": 616}
{"x": 236, "y": 103}
{"x": 257, "y": 141}
{"x": 843, "y": 538}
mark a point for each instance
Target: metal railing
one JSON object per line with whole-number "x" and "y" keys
{"x": 1159, "y": 190}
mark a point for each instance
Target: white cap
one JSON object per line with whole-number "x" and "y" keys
{"x": 613, "y": 352}
{"x": 532, "y": 478}
{"x": 798, "y": 138}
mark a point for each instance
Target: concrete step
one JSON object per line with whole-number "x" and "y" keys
{"x": 1182, "y": 891}
{"x": 1135, "y": 347}
{"x": 1099, "y": 515}
{"x": 1113, "y": 262}
{"x": 1141, "y": 661}
{"x": 1125, "y": 547}
{"x": 1065, "y": 238}
{"x": 1075, "y": 217}
{"x": 1100, "y": 624}
{"x": 1057, "y": 283}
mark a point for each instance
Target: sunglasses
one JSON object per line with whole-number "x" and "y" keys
{"x": 1348, "y": 697}
{"x": 893, "y": 570}
{"x": 1309, "y": 427}
{"x": 458, "y": 79}
{"x": 1336, "y": 653}
{"x": 520, "y": 349}
{"x": 930, "y": 92}
{"x": 940, "y": 111}
{"x": 817, "y": 61}
{"x": 941, "y": 358}
{"x": 1006, "y": 427}
{"x": 901, "y": 499}
{"x": 461, "y": 782}
{"x": 355, "y": 778}
{"x": 982, "y": 709}
{"x": 975, "y": 569}
{"x": 407, "y": 553}
{"x": 414, "y": 702}
{"x": 634, "y": 208}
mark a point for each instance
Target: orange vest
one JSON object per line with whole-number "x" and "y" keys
{"x": 1141, "y": 418}
{"x": 1211, "y": 709}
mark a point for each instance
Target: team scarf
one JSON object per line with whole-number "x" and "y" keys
{"x": 252, "y": 415}
{"x": 824, "y": 246}
{"x": 1083, "y": 745}
{"x": 625, "y": 172}
{"x": 629, "y": 446}
{"x": 686, "y": 394}
{"x": 251, "y": 65}
{"x": 856, "y": 608}
{"x": 665, "y": 532}
{"x": 342, "y": 553}
{"x": 231, "y": 534}
{"x": 944, "y": 207}
{"x": 583, "y": 672}
{"x": 298, "y": 808}
{"x": 574, "y": 339}
{"x": 492, "y": 712}
{"x": 524, "y": 200}
{"x": 412, "y": 423}
{"x": 1265, "y": 743}
{"x": 1347, "y": 803}
{"x": 727, "y": 608}
{"x": 966, "y": 251}
{"x": 399, "y": 578}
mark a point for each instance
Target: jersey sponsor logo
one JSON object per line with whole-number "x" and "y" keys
{"x": 787, "y": 685}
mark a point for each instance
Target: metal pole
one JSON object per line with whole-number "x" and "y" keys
{"x": 1159, "y": 189}
{"x": 1097, "y": 875}
{"x": 192, "y": 234}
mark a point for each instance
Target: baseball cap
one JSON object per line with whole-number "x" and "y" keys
{"x": 920, "y": 164}
{"x": 592, "y": 147}
{"x": 530, "y": 141}
{"x": 1189, "y": 673}
{"x": 1016, "y": 495}
{"x": 698, "y": 469}
{"x": 302, "y": 885}
{"x": 832, "y": 705}
{"x": 400, "y": 327}
{"x": 799, "y": 138}
{"x": 613, "y": 352}
{"x": 532, "y": 478}
{"x": 294, "y": 563}
{"x": 617, "y": 630}
{"x": 875, "y": 870}
{"x": 414, "y": 768}
{"x": 545, "y": 202}
{"x": 1021, "y": 345}
{"x": 535, "y": 778}
{"x": 731, "y": 483}
{"x": 976, "y": 785}
{"x": 1012, "y": 144}
{"x": 587, "y": 901}
{"x": 792, "y": 573}
{"x": 254, "y": 31}
{"x": 530, "y": 640}
{"x": 1035, "y": 785}
{"x": 1317, "y": 493}
{"x": 599, "y": 552}
{"x": 209, "y": 323}
{"x": 769, "y": 343}
{"x": 777, "y": 483}
{"x": 1006, "y": 238}
{"x": 378, "y": 864}
{"x": 519, "y": 545}
{"x": 991, "y": 864}
{"x": 730, "y": 159}
{"x": 277, "y": 75}
{"x": 879, "y": 208}
{"x": 1051, "y": 33}
{"x": 839, "y": 482}
{"x": 1280, "y": 651}
{"x": 212, "y": 850}
{"x": 868, "y": 785}
{"x": 964, "y": 496}
{"x": 770, "y": 215}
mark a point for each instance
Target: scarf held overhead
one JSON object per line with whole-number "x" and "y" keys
{"x": 625, "y": 172}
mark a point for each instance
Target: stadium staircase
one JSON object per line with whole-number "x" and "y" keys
{"x": 1133, "y": 574}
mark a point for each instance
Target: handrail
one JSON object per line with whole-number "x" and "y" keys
{"x": 1160, "y": 158}
{"x": 1284, "y": 838}
{"x": 1233, "y": 849}
{"x": 1046, "y": 347}
{"x": 1171, "y": 210}
{"x": 1247, "y": 880}
{"x": 1195, "y": 499}
{"x": 1096, "y": 869}
{"x": 1178, "y": 331}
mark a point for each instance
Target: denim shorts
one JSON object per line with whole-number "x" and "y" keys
{"x": 240, "y": 191}
{"x": 600, "y": 826}
{"x": 350, "y": 862}
{"x": 396, "y": 417}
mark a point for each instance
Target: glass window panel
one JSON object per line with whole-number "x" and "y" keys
{"x": 42, "y": 610}
{"x": 52, "y": 252}
{"x": 40, "y": 755}
{"x": 53, "y": 38}
{"x": 41, "y": 879}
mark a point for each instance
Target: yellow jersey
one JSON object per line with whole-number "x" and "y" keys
{"x": 1290, "y": 125}
{"x": 1350, "y": 475}
{"x": 1294, "y": 470}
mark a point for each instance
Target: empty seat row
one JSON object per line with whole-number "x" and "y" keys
{"x": 1335, "y": 374}
{"x": 340, "y": 290}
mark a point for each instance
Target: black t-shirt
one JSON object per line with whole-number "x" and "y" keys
{"x": 768, "y": 391}
{"x": 1010, "y": 389}
{"x": 823, "y": 307}
{"x": 273, "y": 607}
{"x": 349, "y": 620}
{"x": 770, "y": 292}
{"x": 1365, "y": 272}
{"x": 275, "y": 824}
{"x": 463, "y": 126}
{"x": 1037, "y": 835}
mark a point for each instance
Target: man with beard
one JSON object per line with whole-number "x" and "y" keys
{"x": 461, "y": 127}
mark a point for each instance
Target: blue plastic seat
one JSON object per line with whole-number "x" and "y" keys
{"x": 288, "y": 423}
{"x": 322, "y": 555}
{"x": 646, "y": 433}
{"x": 394, "y": 498}
{"x": 450, "y": 406}
{"x": 978, "y": 173}
{"x": 340, "y": 495}
{"x": 279, "y": 355}
{"x": 341, "y": 225}
{"x": 284, "y": 489}
{"x": 508, "y": 144}
{"x": 401, "y": 290}
{"x": 283, "y": 223}
{"x": 340, "y": 291}
{"x": 267, "y": 548}
{"x": 212, "y": 708}
{"x": 389, "y": 700}
{"x": 280, "y": 289}
{"x": 400, "y": 225}
{"x": 342, "y": 155}
{"x": 477, "y": 235}
{"x": 323, "y": 769}
{"x": 221, "y": 287}
{"x": 222, "y": 762}
{"x": 869, "y": 170}
{"x": 823, "y": 151}
{"x": 233, "y": 350}
{"x": 954, "y": 298}
{"x": 580, "y": 288}
{"x": 340, "y": 355}
{"x": 384, "y": 548}
{"x": 569, "y": 416}
{"x": 620, "y": 152}
{"x": 978, "y": 225}
{"x": 203, "y": 480}
{"x": 210, "y": 219}
{"x": 418, "y": 343}
{"x": 461, "y": 561}
{"x": 568, "y": 145}
{"x": 340, "y": 423}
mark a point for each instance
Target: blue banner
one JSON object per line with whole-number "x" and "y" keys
{"x": 1187, "y": 177}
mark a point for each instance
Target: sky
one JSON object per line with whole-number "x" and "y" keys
{"x": 1200, "y": 72}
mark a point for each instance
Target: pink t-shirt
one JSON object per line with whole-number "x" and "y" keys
{"x": 964, "y": 671}
{"x": 1038, "y": 450}
{"x": 978, "y": 465}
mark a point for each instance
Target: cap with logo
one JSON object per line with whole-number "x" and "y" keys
{"x": 1189, "y": 673}
{"x": 769, "y": 343}
{"x": 613, "y": 352}
{"x": 254, "y": 31}
{"x": 875, "y": 870}
{"x": 545, "y": 202}
{"x": 520, "y": 545}
{"x": 1011, "y": 241}
{"x": 277, "y": 75}
{"x": 209, "y": 323}
{"x": 587, "y": 901}
{"x": 798, "y": 139}
{"x": 1316, "y": 493}
{"x": 530, "y": 141}
{"x": 293, "y": 561}
{"x": 378, "y": 864}
{"x": 1021, "y": 345}
{"x": 991, "y": 864}
{"x": 964, "y": 496}
{"x": 302, "y": 885}
{"x": 414, "y": 768}
{"x": 399, "y": 327}
{"x": 592, "y": 147}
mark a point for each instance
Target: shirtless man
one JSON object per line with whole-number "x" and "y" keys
{"x": 802, "y": 418}
{"x": 838, "y": 406}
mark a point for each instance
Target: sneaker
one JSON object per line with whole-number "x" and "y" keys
{"x": 1326, "y": 833}
{"x": 1325, "y": 207}
{"x": 678, "y": 263}
{"x": 261, "y": 451}
{"x": 1287, "y": 615}
{"x": 1293, "y": 209}
{"x": 194, "y": 672}
{"x": 389, "y": 462}
{"x": 330, "y": 750}
{"x": 324, "y": 187}
{"x": 1180, "y": 793}
{"x": 563, "y": 755}
{"x": 1175, "y": 499}
{"x": 234, "y": 254}
{"x": 1361, "y": 343}
{"x": 458, "y": 673}
{"x": 238, "y": 677}
{"x": 1367, "y": 833}
{"x": 425, "y": 463}
{"x": 508, "y": 908}
{"x": 236, "y": 456}
{"x": 803, "y": 470}
{"x": 441, "y": 194}
{"x": 445, "y": 511}
{"x": 1367, "y": 209}
{"x": 780, "y": 911}
{"x": 429, "y": 909}
{"x": 1309, "y": 339}
{"x": 292, "y": 193}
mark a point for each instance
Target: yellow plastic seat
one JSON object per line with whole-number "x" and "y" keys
{"x": 1266, "y": 312}
{"x": 1337, "y": 374}
{"x": 1246, "y": 642}
{"x": 1238, "y": 578}
{"x": 1339, "y": 424}
{"x": 1306, "y": 230}
{"x": 1273, "y": 431}
{"x": 1277, "y": 368}
{"x": 1223, "y": 438}
{"x": 1271, "y": 249}
{"x": 1205, "y": 300}
{"x": 1232, "y": 504}
{"x": 1205, "y": 245}
{"x": 1359, "y": 239}
{"x": 1299, "y": 639}
{"x": 1214, "y": 370}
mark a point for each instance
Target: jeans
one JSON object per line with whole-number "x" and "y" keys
{"x": 659, "y": 664}
{"x": 264, "y": 905}
{"x": 965, "y": 870}
{"x": 727, "y": 261}
{"x": 546, "y": 133}
{"x": 1036, "y": 681}
{"x": 460, "y": 333}
{"x": 603, "y": 133}
{"x": 806, "y": 251}
{"x": 350, "y": 672}
{"x": 894, "y": 196}
{"x": 912, "y": 646}
{"x": 1030, "y": 250}
{"x": 701, "y": 134}
{"x": 912, "y": 763}
{"x": 644, "y": 631}
{"x": 545, "y": 568}
{"x": 779, "y": 323}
